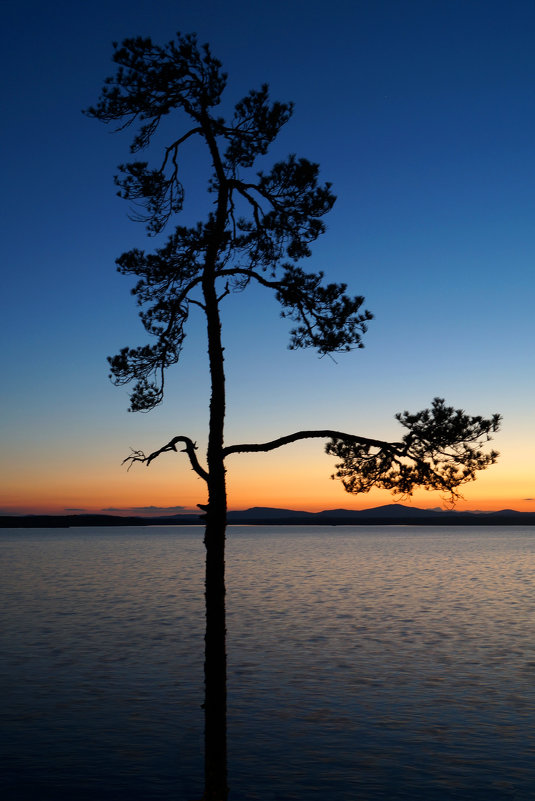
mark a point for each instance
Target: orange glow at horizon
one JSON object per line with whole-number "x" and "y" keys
{"x": 298, "y": 478}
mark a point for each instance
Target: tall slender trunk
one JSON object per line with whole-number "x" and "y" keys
{"x": 215, "y": 665}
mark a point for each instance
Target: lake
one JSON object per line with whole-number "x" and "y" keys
{"x": 369, "y": 663}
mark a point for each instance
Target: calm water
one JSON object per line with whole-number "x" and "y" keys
{"x": 364, "y": 663}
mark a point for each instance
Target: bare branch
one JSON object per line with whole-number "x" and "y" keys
{"x": 250, "y": 274}
{"x": 189, "y": 447}
{"x": 395, "y": 448}
{"x": 174, "y": 148}
{"x": 197, "y": 303}
{"x": 224, "y": 294}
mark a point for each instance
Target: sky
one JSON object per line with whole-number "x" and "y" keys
{"x": 422, "y": 116}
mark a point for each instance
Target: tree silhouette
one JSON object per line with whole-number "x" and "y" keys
{"x": 260, "y": 229}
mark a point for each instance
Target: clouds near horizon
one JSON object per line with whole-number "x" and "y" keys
{"x": 168, "y": 510}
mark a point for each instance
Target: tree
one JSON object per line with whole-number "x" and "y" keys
{"x": 259, "y": 231}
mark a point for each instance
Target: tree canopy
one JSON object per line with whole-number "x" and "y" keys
{"x": 263, "y": 222}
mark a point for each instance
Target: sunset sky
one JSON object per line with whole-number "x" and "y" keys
{"x": 421, "y": 114}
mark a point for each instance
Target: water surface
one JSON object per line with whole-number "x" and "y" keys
{"x": 364, "y": 662}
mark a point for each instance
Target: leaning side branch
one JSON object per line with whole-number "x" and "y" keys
{"x": 190, "y": 448}
{"x": 443, "y": 449}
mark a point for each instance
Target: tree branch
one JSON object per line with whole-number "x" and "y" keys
{"x": 395, "y": 448}
{"x": 249, "y": 274}
{"x": 189, "y": 447}
{"x": 442, "y": 451}
{"x": 174, "y": 148}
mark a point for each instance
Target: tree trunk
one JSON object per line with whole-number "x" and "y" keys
{"x": 215, "y": 666}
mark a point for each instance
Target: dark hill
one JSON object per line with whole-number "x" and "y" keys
{"x": 390, "y": 514}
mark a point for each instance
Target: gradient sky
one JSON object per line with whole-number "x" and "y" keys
{"x": 420, "y": 113}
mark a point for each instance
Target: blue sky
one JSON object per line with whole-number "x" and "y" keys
{"x": 420, "y": 113}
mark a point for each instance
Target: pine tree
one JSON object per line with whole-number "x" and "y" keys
{"x": 259, "y": 232}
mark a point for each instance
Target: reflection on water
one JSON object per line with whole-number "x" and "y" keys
{"x": 370, "y": 663}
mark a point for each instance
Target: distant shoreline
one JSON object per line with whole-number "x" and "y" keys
{"x": 391, "y": 515}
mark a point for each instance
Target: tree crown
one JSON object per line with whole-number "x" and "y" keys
{"x": 442, "y": 451}
{"x": 263, "y": 224}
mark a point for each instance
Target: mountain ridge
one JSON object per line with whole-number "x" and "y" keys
{"x": 387, "y": 514}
